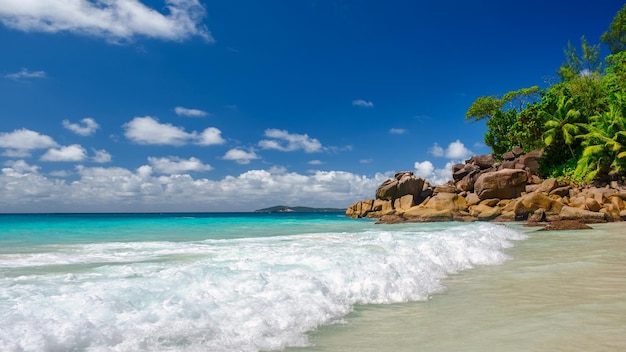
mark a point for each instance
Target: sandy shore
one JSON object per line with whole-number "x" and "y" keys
{"x": 562, "y": 291}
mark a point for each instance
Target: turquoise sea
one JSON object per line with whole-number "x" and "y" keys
{"x": 304, "y": 282}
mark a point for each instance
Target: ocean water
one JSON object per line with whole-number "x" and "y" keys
{"x": 232, "y": 282}
{"x": 305, "y": 282}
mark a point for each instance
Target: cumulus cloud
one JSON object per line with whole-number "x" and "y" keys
{"x": 362, "y": 103}
{"x": 147, "y": 130}
{"x": 436, "y": 150}
{"x": 181, "y": 111}
{"x": 86, "y": 127}
{"x": 424, "y": 169}
{"x": 210, "y": 136}
{"x": 455, "y": 150}
{"x": 176, "y": 165}
{"x": 240, "y": 156}
{"x": 60, "y": 173}
{"x": 397, "y": 131}
{"x": 115, "y": 20}
{"x": 288, "y": 142}
{"x": 315, "y": 162}
{"x": 435, "y": 176}
{"x": 20, "y": 142}
{"x": 101, "y": 156}
{"x": 72, "y": 152}
{"x": 25, "y": 74}
{"x": 24, "y": 188}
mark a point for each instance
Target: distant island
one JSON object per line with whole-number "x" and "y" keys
{"x": 286, "y": 209}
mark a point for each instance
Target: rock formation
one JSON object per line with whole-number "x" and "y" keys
{"x": 482, "y": 189}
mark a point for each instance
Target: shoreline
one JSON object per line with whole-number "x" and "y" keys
{"x": 483, "y": 189}
{"x": 560, "y": 291}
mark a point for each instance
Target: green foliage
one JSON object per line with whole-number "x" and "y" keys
{"x": 575, "y": 65}
{"x": 483, "y": 107}
{"x": 615, "y": 37}
{"x": 563, "y": 124}
{"x": 605, "y": 143}
{"x": 562, "y": 170}
{"x": 504, "y": 130}
{"x": 488, "y": 106}
{"x": 615, "y": 79}
{"x": 528, "y": 128}
{"x": 580, "y": 122}
{"x": 499, "y": 131}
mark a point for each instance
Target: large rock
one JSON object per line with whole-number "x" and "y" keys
{"x": 529, "y": 203}
{"x": 485, "y": 161}
{"x": 570, "y": 213}
{"x": 360, "y": 209}
{"x": 446, "y": 201}
{"x": 485, "y": 212}
{"x": 548, "y": 185}
{"x": 419, "y": 214}
{"x": 404, "y": 202}
{"x": 530, "y": 161}
{"x": 459, "y": 173}
{"x": 503, "y": 184}
{"x": 468, "y": 181}
{"x": 402, "y": 184}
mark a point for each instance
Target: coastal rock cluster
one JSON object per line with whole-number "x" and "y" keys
{"x": 483, "y": 189}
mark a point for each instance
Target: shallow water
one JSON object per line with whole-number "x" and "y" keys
{"x": 563, "y": 291}
{"x": 218, "y": 282}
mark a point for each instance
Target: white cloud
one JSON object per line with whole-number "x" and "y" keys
{"x": 23, "y": 188}
{"x": 86, "y": 127}
{"x": 25, "y": 74}
{"x": 435, "y": 176}
{"x": 315, "y": 162}
{"x": 176, "y": 165}
{"x": 22, "y": 166}
{"x": 287, "y": 142}
{"x": 101, "y": 156}
{"x": 181, "y": 111}
{"x": 72, "y": 152}
{"x": 60, "y": 173}
{"x": 366, "y": 161}
{"x": 397, "y": 131}
{"x": 424, "y": 169}
{"x": 147, "y": 130}
{"x": 362, "y": 103}
{"x": 240, "y": 156}
{"x": 436, "y": 150}
{"x": 210, "y": 136}
{"x": 20, "y": 142}
{"x": 114, "y": 20}
{"x": 455, "y": 150}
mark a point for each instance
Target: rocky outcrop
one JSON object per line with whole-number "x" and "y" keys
{"x": 503, "y": 184}
{"x": 482, "y": 189}
{"x": 403, "y": 183}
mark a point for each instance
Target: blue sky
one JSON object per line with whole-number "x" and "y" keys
{"x": 197, "y": 105}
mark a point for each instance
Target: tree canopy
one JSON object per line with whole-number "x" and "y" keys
{"x": 580, "y": 122}
{"x": 615, "y": 36}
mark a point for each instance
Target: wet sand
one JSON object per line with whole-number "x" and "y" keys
{"x": 562, "y": 291}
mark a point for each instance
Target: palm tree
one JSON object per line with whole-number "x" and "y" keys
{"x": 605, "y": 142}
{"x": 562, "y": 125}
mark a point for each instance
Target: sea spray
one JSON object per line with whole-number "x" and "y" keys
{"x": 245, "y": 294}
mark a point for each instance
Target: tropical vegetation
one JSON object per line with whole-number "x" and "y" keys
{"x": 579, "y": 122}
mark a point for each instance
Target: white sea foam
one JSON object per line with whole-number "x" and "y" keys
{"x": 225, "y": 295}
